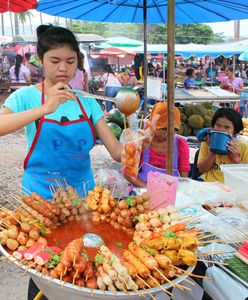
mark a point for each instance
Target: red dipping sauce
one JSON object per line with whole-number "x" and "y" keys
{"x": 115, "y": 240}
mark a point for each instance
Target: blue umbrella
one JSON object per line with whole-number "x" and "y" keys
{"x": 244, "y": 56}
{"x": 131, "y": 11}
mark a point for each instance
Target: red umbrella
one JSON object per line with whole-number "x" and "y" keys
{"x": 17, "y": 5}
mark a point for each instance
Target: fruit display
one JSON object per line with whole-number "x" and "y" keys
{"x": 195, "y": 117}
{"x": 115, "y": 121}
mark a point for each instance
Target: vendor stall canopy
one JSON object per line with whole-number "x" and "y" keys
{"x": 131, "y": 11}
{"x": 17, "y": 6}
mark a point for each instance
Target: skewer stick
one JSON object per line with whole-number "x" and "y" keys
{"x": 53, "y": 188}
{"x": 17, "y": 198}
{"x": 210, "y": 253}
{"x": 58, "y": 183}
{"x": 6, "y": 199}
{"x": 5, "y": 224}
{"x": 28, "y": 268}
{"x": 125, "y": 123}
{"x": 141, "y": 121}
{"x": 185, "y": 279}
{"x": 212, "y": 241}
{"x": 181, "y": 287}
{"x": 23, "y": 187}
{"x": 146, "y": 284}
{"x": 74, "y": 261}
{"x": 51, "y": 191}
{"x": 205, "y": 236}
{"x": 74, "y": 277}
{"x": 65, "y": 271}
{"x": 66, "y": 183}
{"x": 159, "y": 285}
{"x": 190, "y": 274}
{"x": 138, "y": 292}
{"x": 49, "y": 280}
{"x": 241, "y": 232}
{"x": 10, "y": 214}
{"x": 214, "y": 262}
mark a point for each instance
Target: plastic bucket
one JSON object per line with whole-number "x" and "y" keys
{"x": 218, "y": 142}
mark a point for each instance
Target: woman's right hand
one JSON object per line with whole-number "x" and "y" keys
{"x": 56, "y": 95}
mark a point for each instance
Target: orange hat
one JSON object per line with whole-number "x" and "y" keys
{"x": 161, "y": 109}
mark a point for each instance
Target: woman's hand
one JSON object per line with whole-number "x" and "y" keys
{"x": 56, "y": 95}
{"x": 149, "y": 132}
{"x": 234, "y": 151}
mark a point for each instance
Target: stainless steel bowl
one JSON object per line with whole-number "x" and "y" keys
{"x": 55, "y": 289}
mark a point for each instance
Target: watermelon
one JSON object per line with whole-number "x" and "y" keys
{"x": 116, "y": 129}
{"x": 115, "y": 116}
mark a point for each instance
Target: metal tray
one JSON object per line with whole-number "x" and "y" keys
{"x": 55, "y": 289}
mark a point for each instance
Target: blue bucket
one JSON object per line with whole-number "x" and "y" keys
{"x": 218, "y": 142}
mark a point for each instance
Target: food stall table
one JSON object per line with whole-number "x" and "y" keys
{"x": 212, "y": 94}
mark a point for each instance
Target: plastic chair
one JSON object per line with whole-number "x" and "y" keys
{"x": 243, "y": 104}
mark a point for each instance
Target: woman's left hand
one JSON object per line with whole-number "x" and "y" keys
{"x": 234, "y": 151}
{"x": 149, "y": 132}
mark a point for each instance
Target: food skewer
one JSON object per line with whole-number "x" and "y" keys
{"x": 179, "y": 286}
{"x": 190, "y": 274}
{"x": 159, "y": 285}
{"x": 213, "y": 262}
{"x": 185, "y": 279}
{"x": 146, "y": 284}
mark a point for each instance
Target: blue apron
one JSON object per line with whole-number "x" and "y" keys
{"x": 146, "y": 167}
{"x": 60, "y": 153}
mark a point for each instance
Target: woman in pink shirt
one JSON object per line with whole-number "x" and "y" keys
{"x": 19, "y": 73}
{"x": 154, "y": 158}
{"x": 80, "y": 79}
{"x": 232, "y": 83}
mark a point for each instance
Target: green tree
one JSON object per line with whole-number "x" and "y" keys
{"x": 23, "y": 18}
{"x": 184, "y": 34}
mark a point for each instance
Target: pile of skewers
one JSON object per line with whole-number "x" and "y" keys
{"x": 19, "y": 231}
{"x": 122, "y": 213}
{"x": 101, "y": 202}
{"x": 71, "y": 206}
{"x": 150, "y": 261}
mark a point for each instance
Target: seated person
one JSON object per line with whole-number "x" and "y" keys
{"x": 232, "y": 83}
{"x": 189, "y": 81}
{"x": 211, "y": 73}
{"x": 154, "y": 157}
{"x": 226, "y": 120}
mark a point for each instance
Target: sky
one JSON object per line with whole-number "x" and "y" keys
{"x": 226, "y": 27}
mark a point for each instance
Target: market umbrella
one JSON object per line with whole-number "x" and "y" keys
{"x": 244, "y": 56}
{"x": 17, "y": 5}
{"x": 5, "y": 39}
{"x": 152, "y": 12}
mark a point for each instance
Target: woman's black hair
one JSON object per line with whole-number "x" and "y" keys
{"x": 229, "y": 69}
{"x": 108, "y": 69}
{"x": 230, "y": 114}
{"x": 189, "y": 72}
{"x": 18, "y": 61}
{"x": 81, "y": 63}
{"x": 51, "y": 37}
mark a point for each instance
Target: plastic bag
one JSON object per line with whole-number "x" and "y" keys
{"x": 117, "y": 184}
{"x": 205, "y": 192}
{"x": 131, "y": 152}
{"x": 236, "y": 178}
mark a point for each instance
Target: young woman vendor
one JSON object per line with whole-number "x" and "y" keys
{"x": 61, "y": 127}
